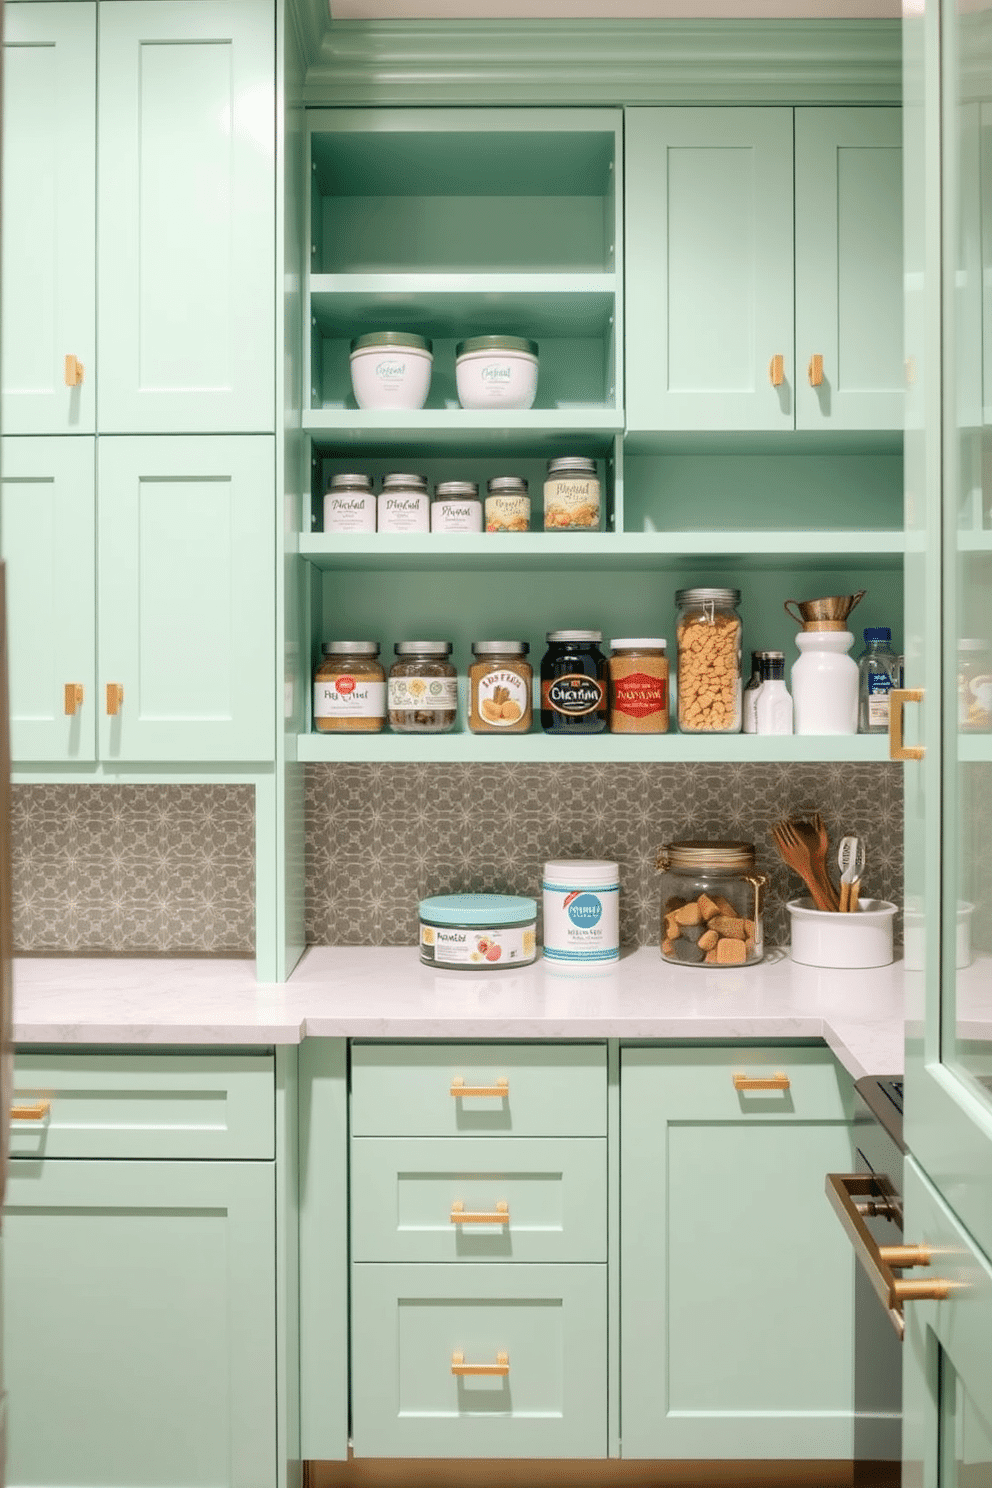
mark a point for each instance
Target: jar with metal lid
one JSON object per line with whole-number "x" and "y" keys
{"x": 456, "y": 507}
{"x": 573, "y": 683}
{"x": 404, "y": 504}
{"x": 507, "y": 504}
{"x": 711, "y": 904}
{"x": 349, "y": 689}
{"x": 571, "y": 495}
{"x": 423, "y": 688}
{"x": 499, "y": 688}
{"x": 708, "y": 632}
{"x": 639, "y": 685}
{"x": 974, "y": 687}
{"x": 349, "y": 505}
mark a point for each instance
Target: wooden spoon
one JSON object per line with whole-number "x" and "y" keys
{"x": 797, "y": 843}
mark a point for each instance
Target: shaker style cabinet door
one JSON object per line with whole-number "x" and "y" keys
{"x": 849, "y": 280}
{"x": 186, "y": 607}
{"x": 49, "y": 208}
{"x": 186, "y": 214}
{"x": 47, "y": 535}
{"x": 709, "y": 266}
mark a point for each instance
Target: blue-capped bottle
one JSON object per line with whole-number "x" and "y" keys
{"x": 879, "y": 671}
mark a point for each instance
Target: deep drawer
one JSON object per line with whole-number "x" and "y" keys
{"x": 414, "y": 1327}
{"x": 550, "y": 1090}
{"x": 143, "y": 1105}
{"x": 431, "y": 1199}
{"x": 725, "y": 1084}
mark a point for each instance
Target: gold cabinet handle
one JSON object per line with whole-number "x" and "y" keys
{"x": 898, "y": 698}
{"x": 815, "y": 370}
{"x": 937, "y": 1290}
{"x": 500, "y": 1089}
{"x": 115, "y": 698}
{"x": 461, "y": 1215}
{"x": 902, "y": 1256}
{"x": 777, "y": 1081}
{"x": 73, "y": 371}
{"x": 776, "y": 371}
{"x": 73, "y": 698}
{"x": 458, "y": 1365}
{"x": 31, "y": 1111}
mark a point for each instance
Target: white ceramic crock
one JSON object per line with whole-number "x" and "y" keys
{"x": 391, "y": 369}
{"x": 496, "y": 372}
{"x": 859, "y": 940}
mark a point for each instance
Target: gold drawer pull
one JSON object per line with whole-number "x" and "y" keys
{"x": 459, "y": 1214}
{"x": 73, "y": 371}
{"x": 898, "y": 698}
{"x": 115, "y": 698}
{"x": 815, "y": 370}
{"x": 31, "y": 1111}
{"x": 73, "y": 698}
{"x": 901, "y": 1256}
{"x": 776, "y": 370}
{"x": 458, "y": 1365}
{"x": 937, "y": 1290}
{"x": 777, "y": 1081}
{"x": 500, "y": 1089}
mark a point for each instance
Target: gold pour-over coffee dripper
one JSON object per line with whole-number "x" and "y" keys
{"x": 824, "y": 614}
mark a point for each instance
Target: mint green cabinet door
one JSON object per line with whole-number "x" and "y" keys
{"x": 139, "y": 1338}
{"x": 47, "y": 534}
{"x": 49, "y": 208}
{"x": 849, "y": 281}
{"x": 186, "y": 610}
{"x": 709, "y": 268}
{"x": 186, "y": 217}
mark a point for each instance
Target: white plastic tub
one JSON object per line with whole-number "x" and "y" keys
{"x": 496, "y": 372}
{"x": 858, "y": 940}
{"x": 391, "y": 369}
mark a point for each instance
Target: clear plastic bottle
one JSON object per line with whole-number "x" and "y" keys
{"x": 878, "y": 673}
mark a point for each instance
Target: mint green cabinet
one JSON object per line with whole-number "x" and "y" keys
{"x": 49, "y": 206}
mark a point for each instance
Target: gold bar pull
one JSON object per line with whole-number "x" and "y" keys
{"x": 115, "y": 698}
{"x": 73, "y": 371}
{"x": 459, "y": 1214}
{"x": 501, "y": 1088}
{"x": 906, "y": 1255}
{"x": 458, "y": 1365}
{"x": 937, "y": 1290}
{"x": 898, "y": 698}
{"x": 815, "y": 370}
{"x": 73, "y": 697}
{"x": 776, "y": 370}
{"x": 31, "y": 1111}
{"x": 777, "y": 1081}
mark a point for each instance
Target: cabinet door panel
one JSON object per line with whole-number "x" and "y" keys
{"x": 49, "y": 208}
{"x": 139, "y": 1323}
{"x": 186, "y": 217}
{"x": 47, "y": 540}
{"x": 709, "y": 267}
{"x": 186, "y": 600}
{"x": 849, "y": 268}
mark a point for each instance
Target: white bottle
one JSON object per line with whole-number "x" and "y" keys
{"x": 773, "y": 705}
{"x": 825, "y": 683}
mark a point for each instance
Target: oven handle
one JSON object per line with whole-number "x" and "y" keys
{"x": 841, "y": 1191}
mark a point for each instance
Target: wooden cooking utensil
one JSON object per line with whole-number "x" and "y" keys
{"x": 801, "y": 849}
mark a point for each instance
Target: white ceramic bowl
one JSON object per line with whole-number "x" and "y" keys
{"x": 857, "y": 940}
{"x": 390, "y": 369}
{"x": 496, "y": 372}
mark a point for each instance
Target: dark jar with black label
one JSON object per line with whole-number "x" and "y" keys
{"x": 574, "y": 683}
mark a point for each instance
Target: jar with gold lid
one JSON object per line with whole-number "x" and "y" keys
{"x": 711, "y": 904}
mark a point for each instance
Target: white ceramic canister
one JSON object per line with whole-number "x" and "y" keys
{"x": 851, "y": 942}
{"x": 456, "y": 507}
{"x": 391, "y": 369}
{"x": 349, "y": 505}
{"x": 404, "y": 504}
{"x": 581, "y": 913}
{"x": 825, "y": 683}
{"x": 496, "y": 372}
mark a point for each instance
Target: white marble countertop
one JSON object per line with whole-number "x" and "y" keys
{"x": 384, "y": 992}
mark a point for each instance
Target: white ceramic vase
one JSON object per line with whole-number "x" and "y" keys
{"x": 825, "y": 683}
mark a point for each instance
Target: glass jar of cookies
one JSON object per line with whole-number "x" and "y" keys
{"x": 708, "y": 633}
{"x": 711, "y": 904}
{"x": 500, "y": 682}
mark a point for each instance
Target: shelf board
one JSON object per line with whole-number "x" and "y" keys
{"x": 465, "y": 430}
{"x": 974, "y": 542}
{"x": 975, "y": 749}
{"x": 540, "y": 748}
{"x": 443, "y": 305}
{"x": 600, "y": 550}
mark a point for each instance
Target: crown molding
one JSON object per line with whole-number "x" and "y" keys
{"x": 604, "y": 62}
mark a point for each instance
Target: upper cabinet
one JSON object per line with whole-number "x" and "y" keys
{"x": 155, "y": 122}
{"x": 764, "y": 258}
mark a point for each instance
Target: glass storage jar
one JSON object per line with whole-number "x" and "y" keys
{"x": 573, "y": 683}
{"x": 711, "y": 904}
{"x": 349, "y": 689}
{"x": 404, "y": 504}
{"x": 708, "y": 632}
{"x": 571, "y": 495}
{"x": 639, "y": 685}
{"x": 423, "y": 688}
{"x": 349, "y": 505}
{"x": 456, "y": 507}
{"x": 507, "y": 504}
{"x": 499, "y": 688}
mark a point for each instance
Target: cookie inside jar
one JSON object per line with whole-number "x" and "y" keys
{"x": 500, "y": 688}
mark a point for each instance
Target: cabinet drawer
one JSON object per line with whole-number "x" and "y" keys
{"x": 702, "y": 1080}
{"x": 550, "y": 1090}
{"x": 406, "y": 1191}
{"x": 410, "y": 1323}
{"x": 143, "y": 1105}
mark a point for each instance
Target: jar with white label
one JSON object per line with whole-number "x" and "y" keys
{"x": 349, "y": 505}
{"x": 571, "y": 495}
{"x": 422, "y": 694}
{"x": 507, "y": 504}
{"x": 581, "y": 913}
{"x": 404, "y": 504}
{"x": 456, "y": 507}
{"x": 349, "y": 689}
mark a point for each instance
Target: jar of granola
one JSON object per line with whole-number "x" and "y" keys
{"x": 423, "y": 688}
{"x": 708, "y": 631}
{"x": 499, "y": 682}
{"x": 507, "y": 504}
{"x": 349, "y": 689}
{"x": 571, "y": 495}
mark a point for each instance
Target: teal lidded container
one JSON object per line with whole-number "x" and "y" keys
{"x": 478, "y": 932}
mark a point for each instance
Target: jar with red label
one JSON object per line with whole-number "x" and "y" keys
{"x": 573, "y": 683}
{"x": 349, "y": 689}
{"x": 639, "y": 686}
